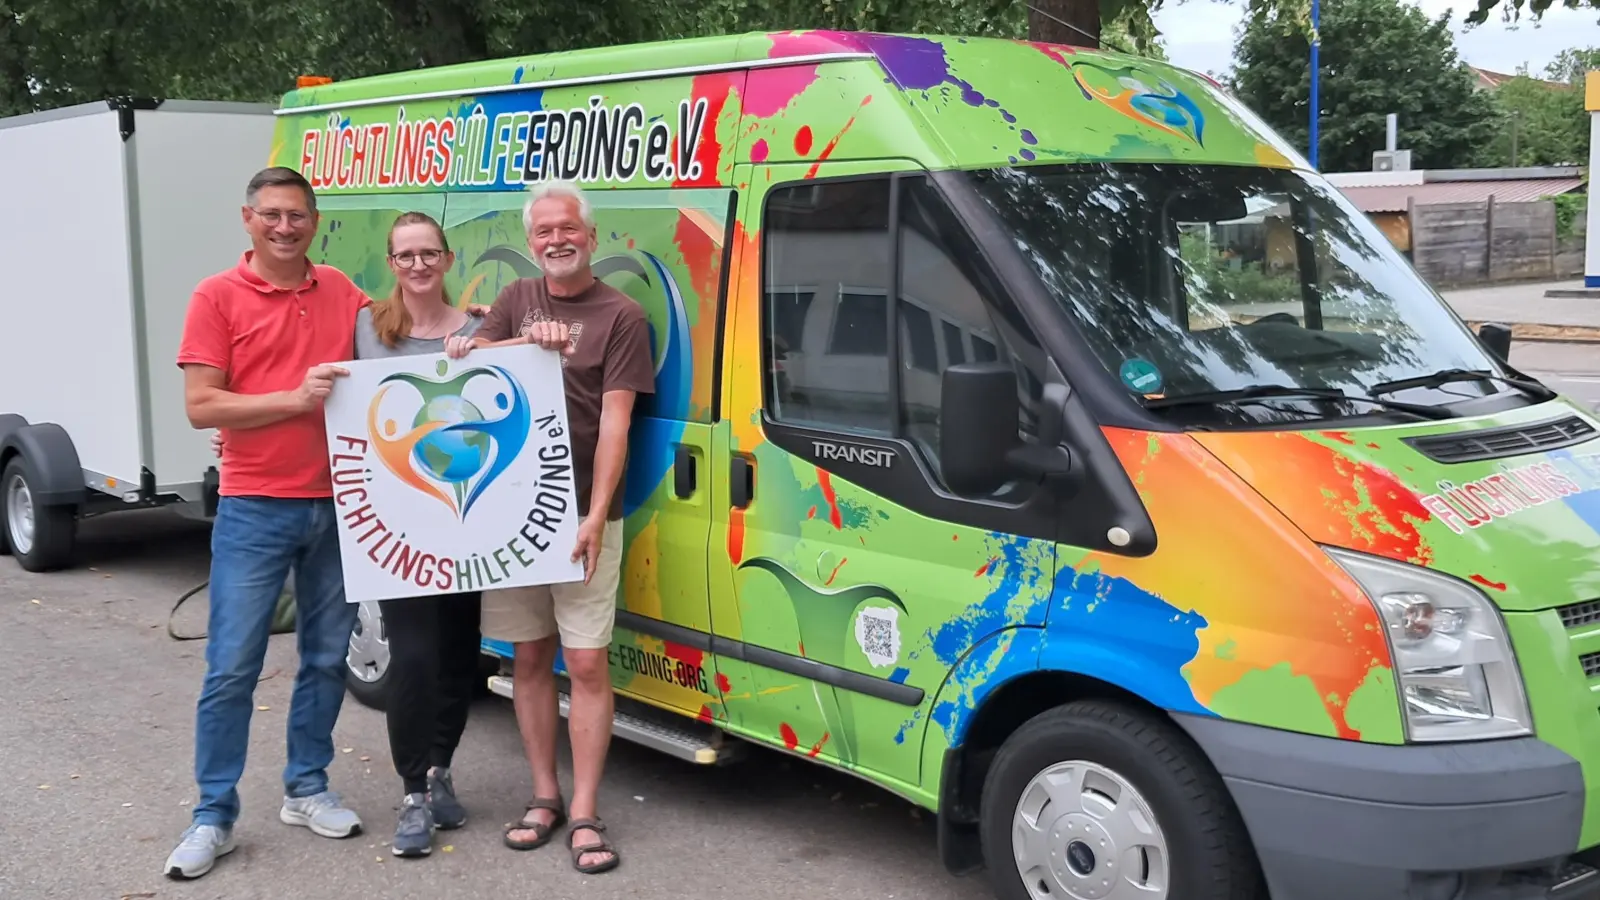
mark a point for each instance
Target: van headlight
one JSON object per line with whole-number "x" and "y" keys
{"x": 1457, "y": 674}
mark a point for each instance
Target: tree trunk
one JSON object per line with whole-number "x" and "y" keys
{"x": 1075, "y": 22}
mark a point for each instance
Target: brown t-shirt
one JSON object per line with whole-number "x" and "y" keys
{"x": 611, "y": 352}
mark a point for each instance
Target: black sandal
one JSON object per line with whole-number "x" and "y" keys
{"x": 603, "y": 846}
{"x": 542, "y": 831}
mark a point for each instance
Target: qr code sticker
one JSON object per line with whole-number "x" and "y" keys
{"x": 878, "y": 634}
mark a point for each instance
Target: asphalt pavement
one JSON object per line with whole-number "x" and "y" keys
{"x": 96, "y": 756}
{"x": 1571, "y": 368}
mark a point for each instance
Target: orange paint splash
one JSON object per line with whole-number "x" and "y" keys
{"x": 835, "y": 573}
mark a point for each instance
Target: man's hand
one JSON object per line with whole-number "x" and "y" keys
{"x": 590, "y": 532}
{"x": 551, "y": 336}
{"x": 317, "y": 386}
{"x": 457, "y": 346}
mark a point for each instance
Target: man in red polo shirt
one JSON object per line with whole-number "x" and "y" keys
{"x": 256, "y": 352}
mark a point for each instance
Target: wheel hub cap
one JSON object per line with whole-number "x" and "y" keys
{"x": 19, "y": 515}
{"x": 1082, "y": 832}
{"x": 368, "y": 656}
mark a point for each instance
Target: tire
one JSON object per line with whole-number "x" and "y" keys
{"x": 1158, "y": 778}
{"x": 41, "y": 538}
{"x": 367, "y": 660}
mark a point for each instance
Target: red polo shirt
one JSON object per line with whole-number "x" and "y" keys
{"x": 265, "y": 338}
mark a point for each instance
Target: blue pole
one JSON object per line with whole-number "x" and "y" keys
{"x": 1316, "y": 47}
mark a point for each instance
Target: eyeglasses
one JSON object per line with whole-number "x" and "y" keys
{"x": 273, "y": 217}
{"x": 408, "y": 260}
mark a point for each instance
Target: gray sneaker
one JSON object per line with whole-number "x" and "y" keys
{"x": 413, "y": 836}
{"x": 448, "y": 812}
{"x": 323, "y": 813}
{"x": 198, "y": 851}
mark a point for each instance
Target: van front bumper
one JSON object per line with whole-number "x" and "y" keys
{"x": 1337, "y": 820}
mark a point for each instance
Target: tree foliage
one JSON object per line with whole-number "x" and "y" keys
{"x": 1378, "y": 57}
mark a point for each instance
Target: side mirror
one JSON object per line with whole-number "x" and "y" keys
{"x": 1497, "y": 339}
{"x": 978, "y": 412}
{"x": 979, "y": 447}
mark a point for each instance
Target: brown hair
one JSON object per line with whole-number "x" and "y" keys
{"x": 391, "y": 319}
{"x": 279, "y": 176}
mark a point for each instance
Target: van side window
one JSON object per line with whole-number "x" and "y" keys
{"x": 826, "y": 322}
{"x": 825, "y": 326}
{"x": 953, "y": 310}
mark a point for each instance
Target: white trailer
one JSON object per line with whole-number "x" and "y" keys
{"x": 113, "y": 212}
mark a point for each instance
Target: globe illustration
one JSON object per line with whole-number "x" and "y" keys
{"x": 453, "y": 456}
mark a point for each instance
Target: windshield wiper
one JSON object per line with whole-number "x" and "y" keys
{"x": 1257, "y": 393}
{"x": 1448, "y": 376}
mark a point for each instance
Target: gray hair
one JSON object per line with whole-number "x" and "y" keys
{"x": 556, "y": 188}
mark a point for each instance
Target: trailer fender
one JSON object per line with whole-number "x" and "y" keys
{"x": 51, "y": 456}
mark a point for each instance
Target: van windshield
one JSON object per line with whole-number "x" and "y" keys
{"x": 1189, "y": 280}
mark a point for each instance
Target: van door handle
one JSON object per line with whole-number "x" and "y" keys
{"x": 741, "y": 480}
{"x": 683, "y": 472}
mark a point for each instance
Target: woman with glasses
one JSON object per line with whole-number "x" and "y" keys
{"x": 434, "y": 642}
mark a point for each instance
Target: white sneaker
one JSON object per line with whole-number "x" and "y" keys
{"x": 323, "y": 813}
{"x": 198, "y": 851}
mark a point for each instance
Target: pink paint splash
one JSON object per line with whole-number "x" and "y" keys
{"x": 769, "y": 91}
{"x": 759, "y": 151}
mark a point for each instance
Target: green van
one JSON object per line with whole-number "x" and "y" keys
{"x": 1039, "y": 437}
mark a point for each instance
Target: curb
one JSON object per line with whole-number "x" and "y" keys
{"x": 1535, "y": 332}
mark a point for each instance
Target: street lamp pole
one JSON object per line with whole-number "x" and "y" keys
{"x": 1316, "y": 47}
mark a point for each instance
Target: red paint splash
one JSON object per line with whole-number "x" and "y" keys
{"x": 768, "y": 91}
{"x": 701, "y": 255}
{"x": 631, "y": 243}
{"x": 759, "y": 151}
{"x": 825, "y": 481}
{"x": 816, "y": 749}
{"x": 1497, "y": 585}
{"x": 834, "y": 144}
{"x": 1342, "y": 437}
{"x": 686, "y": 654}
{"x": 803, "y": 140}
{"x": 723, "y": 684}
{"x": 802, "y": 648}
{"x": 736, "y": 536}
{"x": 1373, "y": 446}
{"x": 790, "y": 739}
{"x": 1057, "y": 52}
{"x": 835, "y": 573}
{"x": 714, "y": 89}
{"x": 986, "y": 568}
{"x": 705, "y": 714}
{"x": 812, "y": 512}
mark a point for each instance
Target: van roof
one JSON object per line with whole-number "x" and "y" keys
{"x": 942, "y": 99}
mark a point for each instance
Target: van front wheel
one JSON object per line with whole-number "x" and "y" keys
{"x": 1098, "y": 801}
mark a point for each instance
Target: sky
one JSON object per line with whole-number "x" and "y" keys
{"x": 1199, "y": 34}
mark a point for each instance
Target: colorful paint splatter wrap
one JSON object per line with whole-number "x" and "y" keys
{"x": 1238, "y": 613}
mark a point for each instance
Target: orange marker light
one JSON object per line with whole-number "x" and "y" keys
{"x": 305, "y": 81}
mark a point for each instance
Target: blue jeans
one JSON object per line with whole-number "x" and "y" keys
{"x": 254, "y": 542}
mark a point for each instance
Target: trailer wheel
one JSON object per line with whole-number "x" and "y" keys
{"x": 42, "y": 538}
{"x": 367, "y": 660}
{"x": 1098, "y": 801}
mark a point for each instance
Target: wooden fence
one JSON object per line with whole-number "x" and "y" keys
{"x": 1459, "y": 244}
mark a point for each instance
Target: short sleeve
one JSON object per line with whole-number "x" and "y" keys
{"x": 627, "y": 364}
{"x": 207, "y": 336}
{"x": 497, "y": 321}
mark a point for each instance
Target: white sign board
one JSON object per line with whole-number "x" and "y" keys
{"x": 453, "y": 475}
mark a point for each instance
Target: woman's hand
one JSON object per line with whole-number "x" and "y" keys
{"x": 216, "y": 443}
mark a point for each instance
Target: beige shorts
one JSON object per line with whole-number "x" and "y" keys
{"x": 583, "y": 614}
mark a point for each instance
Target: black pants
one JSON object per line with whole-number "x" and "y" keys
{"x": 434, "y": 645}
